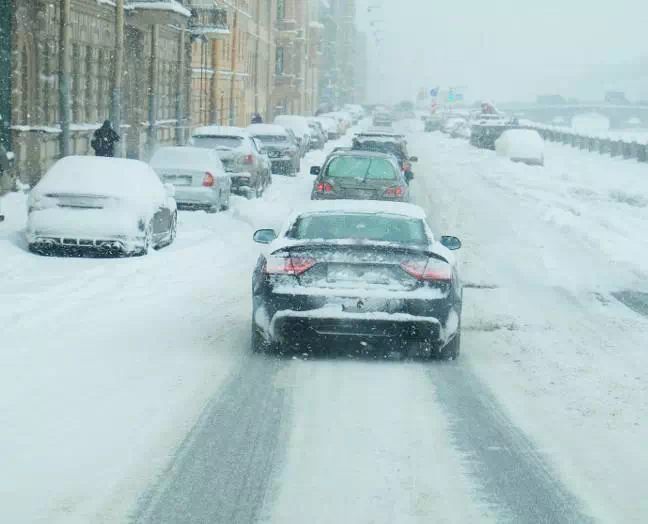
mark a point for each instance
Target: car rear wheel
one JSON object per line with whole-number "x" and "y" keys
{"x": 452, "y": 350}
{"x": 226, "y": 204}
{"x": 258, "y": 344}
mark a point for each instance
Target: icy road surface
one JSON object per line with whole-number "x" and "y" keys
{"x": 128, "y": 393}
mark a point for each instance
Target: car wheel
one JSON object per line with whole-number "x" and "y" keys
{"x": 214, "y": 209}
{"x": 260, "y": 188}
{"x": 148, "y": 241}
{"x": 226, "y": 205}
{"x": 174, "y": 229}
{"x": 258, "y": 344}
{"x": 452, "y": 349}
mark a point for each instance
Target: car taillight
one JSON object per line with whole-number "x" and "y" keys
{"x": 288, "y": 265}
{"x": 431, "y": 270}
{"x": 396, "y": 191}
{"x": 324, "y": 187}
{"x": 208, "y": 180}
{"x": 248, "y": 159}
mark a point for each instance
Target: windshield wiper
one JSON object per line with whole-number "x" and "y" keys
{"x": 366, "y": 175}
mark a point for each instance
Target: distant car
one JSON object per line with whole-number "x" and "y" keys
{"x": 382, "y": 119}
{"x": 360, "y": 175}
{"x": 340, "y": 125}
{"x": 432, "y": 123}
{"x": 111, "y": 205}
{"x": 318, "y": 136}
{"x": 197, "y": 175}
{"x": 357, "y": 270}
{"x": 386, "y": 142}
{"x": 248, "y": 166}
{"x": 299, "y": 126}
{"x": 330, "y": 126}
{"x": 356, "y": 110}
{"x": 521, "y": 145}
{"x": 283, "y": 152}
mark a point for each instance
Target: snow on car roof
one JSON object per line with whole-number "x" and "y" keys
{"x": 220, "y": 131}
{"x": 174, "y": 157}
{"x": 266, "y": 129}
{"x": 362, "y": 206}
{"x": 123, "y": 178}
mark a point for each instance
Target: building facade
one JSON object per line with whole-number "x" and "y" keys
{"x": 185, "y": 63}
{"x": 154, "y": 79}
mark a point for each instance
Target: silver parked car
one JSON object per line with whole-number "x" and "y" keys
{"x": 243, "y": 157}
{"x": 360, "y": 175}
{"x": 198, "y": 176}
{"x": 276, "y": 140}
{"x": 299, "y": 126}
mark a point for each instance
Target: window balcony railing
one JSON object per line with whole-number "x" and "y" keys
{"x": 210, "y": 22}
{"x": 155, "y": 12}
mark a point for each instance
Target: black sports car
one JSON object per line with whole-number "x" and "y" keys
{"x": 369, "y": 271}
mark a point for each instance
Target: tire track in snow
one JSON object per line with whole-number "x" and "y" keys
{"x": 221, "y": 472}
{"x": 515, "y": 478}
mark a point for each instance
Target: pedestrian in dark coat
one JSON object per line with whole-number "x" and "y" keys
{"x": 104, "y": 139}
{"x": 257, "y": 119}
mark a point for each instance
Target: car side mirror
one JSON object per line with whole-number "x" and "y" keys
{"x": 315, "y": 170}
{"x": 452, "y": 243}
{"x": 170, "y": 190}
{"x": 264, "y": 236}
{"x": 413, "y": 159}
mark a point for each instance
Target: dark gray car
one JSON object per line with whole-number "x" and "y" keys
{"x": 283, "y": 152}
{"x": 360, "y": 175}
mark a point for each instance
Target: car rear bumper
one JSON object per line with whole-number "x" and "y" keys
{"x": 293, "y": 325}
{"x": 344, "y": 196}
{"x": 196, "y": 197}
{"x": 242, "y": 182}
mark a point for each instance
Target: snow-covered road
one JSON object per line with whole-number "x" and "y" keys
{"x": 127, "y": 390}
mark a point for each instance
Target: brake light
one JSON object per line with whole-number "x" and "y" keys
{"x": 396, "y": 191}
{"x": 324, "y": 187}
{"x": 288, "y": 265}
{"x": 432, "y": 270}
{"x": 208, "y": 181}
{"x": 248, "y": 159}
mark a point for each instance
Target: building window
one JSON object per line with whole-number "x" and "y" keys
{"x": 91, "y": 92}
{"x": 281, "y": 9}
{"x": 279, "y": 61}
{"x": 77, "y": 90}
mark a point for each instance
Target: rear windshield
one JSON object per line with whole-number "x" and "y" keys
{"x": 365, "y": 226}
{"x": 366, "y": 168}
{"x": 378, "y": 146}
{"x": 211, "y": 142}
{"x": 272, "y": 139}
{"x": 178, "y": 156}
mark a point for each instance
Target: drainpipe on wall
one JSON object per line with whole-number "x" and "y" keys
{"x": 152, "y": 97}
{"x": 232, "y": 104}
{"x": 64, "y": 78}
{"x": 180, "y": 99}
{"x": 115, "y": 113}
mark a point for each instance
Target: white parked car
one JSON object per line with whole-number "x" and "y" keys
{"x": 112, "y": 205}
{"x": 198, "y": 176}
{"x": 521, "y": 145}
{"x": 299, "y": 126}
{"x": 330, "y": 126}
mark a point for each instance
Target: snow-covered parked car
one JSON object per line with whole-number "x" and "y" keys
{"x": 198, "y": 176}
{"x": 299, "y": 126}
{"x": 369, "y": 271}
{"x": 521, "y": 145}
{"x": 330, "y": 125}
{"x": 243, "y": 157}
{"x": 113, "y": 205}
{"x": 284, "y": 154}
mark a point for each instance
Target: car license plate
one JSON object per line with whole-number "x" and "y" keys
{"x": 361, "y": 305}
{"x": 178, "y": 180}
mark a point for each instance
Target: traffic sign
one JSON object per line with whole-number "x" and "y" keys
{"x": 434, "y": 92}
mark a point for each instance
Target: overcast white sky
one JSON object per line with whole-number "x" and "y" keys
{"x": 502, "y": 49}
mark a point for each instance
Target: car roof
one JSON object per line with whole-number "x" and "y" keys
{"x": 220, "y": 131}
{"x": 266, "y": 129}
{"x": 360, "y": 152}
{"x": 361, "y": 206}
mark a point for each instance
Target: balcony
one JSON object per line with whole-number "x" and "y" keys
{"x": 289, "y": 31}
{"x": 210, "y": 22}
{"x": 155, "y": 12}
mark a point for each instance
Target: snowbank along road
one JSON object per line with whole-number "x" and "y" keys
{"x": 128, "y": 392}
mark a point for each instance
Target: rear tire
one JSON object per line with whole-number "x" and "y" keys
{"x": 258, "y": 344}
{"x": 452, "y": 349}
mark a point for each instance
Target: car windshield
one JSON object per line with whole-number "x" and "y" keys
{"x": 215, "y": 142}
{"x": 366, "y": 168}
{"x": 272, "y": 139}
{"x": 359, "y": 226}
